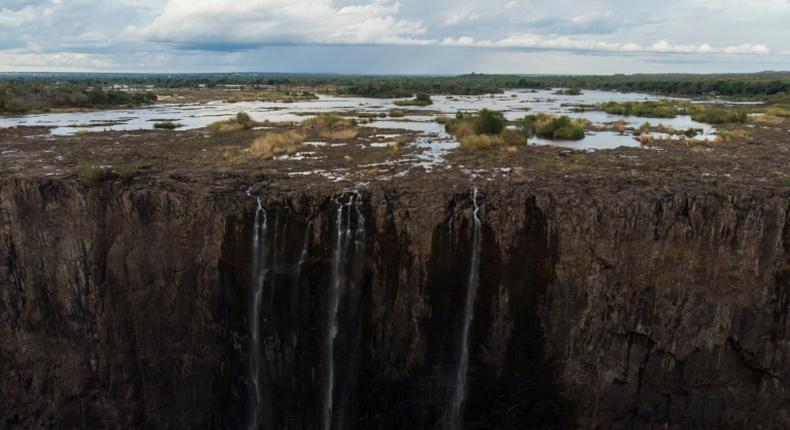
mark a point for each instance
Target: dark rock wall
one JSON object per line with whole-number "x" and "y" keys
{"x": 128, "y": 307}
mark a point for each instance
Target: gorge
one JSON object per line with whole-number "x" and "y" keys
{"x": 146, "y": 306}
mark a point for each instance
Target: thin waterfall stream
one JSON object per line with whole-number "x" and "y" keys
{"x": 344, "y": 235}
{"x": 258, "y": 275}
{"x": 455, "y": 420}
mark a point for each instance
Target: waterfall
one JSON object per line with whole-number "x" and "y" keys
{"x": 259, "y": 272}
{"x": 455, "y": 420}
{"x": 344, "y": 235}
{"x": 303, "y": 256}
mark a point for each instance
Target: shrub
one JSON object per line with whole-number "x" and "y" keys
{"x": 718, "y": 116}
{"x": 272, "y": 144}
{"x": 662, "y": 109}
{"x": 242, "y": 121}
{"x": 484, "y": 122}
{"x": 92, "y": 175}
{"x": 397, "y": 113}
{"x": 551, "y": 127}
{"x": 569, "y": 92}
{"x": 490, "y": 122}
{"x": 420, "y": 99}
{"x": 571, "y": 132}
{"x": 167, "y": 125}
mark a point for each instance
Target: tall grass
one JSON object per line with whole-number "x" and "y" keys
{"x": 273, "y": 144}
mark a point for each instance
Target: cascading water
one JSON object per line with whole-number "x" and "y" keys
{"x": 259, "y": 273}
{"x": 345, "y": 233}
{"x": 455, "y": 419}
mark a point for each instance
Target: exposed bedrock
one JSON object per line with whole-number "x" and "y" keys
{"x": 129, "y": 307}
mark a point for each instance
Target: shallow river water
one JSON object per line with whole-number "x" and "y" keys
{"x": 514, "y": 104}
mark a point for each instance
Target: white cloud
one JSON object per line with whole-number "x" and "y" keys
{"x": 456, "y": 17}
{"x": 260, "y": 22}
{"x": 536, "y": 41}
{"x": 20, "y": 60}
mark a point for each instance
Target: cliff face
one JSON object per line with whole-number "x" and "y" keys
{"x": 130, "y": 306}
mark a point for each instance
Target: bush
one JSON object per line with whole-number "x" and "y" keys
{"x": 421, "y": 99}
{"x": 571, "y": 132}
{"x": 490, "y": 122}
{"x": 569, "y": 92}
{"x": 92, "y": 175}
{"x": 551, "y": 127}
{"x": 662, "y": 109}
{"x": 718, "y": 116}
{"x": 272, "y": 144}
{"x": 484, "y": 122}
{"x": 397, "y": 113}
{"x": 242, "y": 121}
{"x": 167, "y": 125}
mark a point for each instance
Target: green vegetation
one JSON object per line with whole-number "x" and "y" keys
{"x": 483, "y": 130}
{"x": 660, "y": 109}
{"x": 396, "y": 113}
{"x": 552, "y": 127}
{"x": 718, "y": 115}
{"x": 91, "y": 175}
{"x": 484, "y": 122}
{"x": 419, "y": 100}
{"x": 167, "y": 125}
{"x": 242, "y": 121}
{"x": 35, "y": 96}
{"x": 569, "y": 92}
{"x": 507, "y": 137}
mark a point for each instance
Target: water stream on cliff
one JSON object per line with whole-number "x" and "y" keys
{"x": 345, "y": 234}
{"x": 455, "y": 419}
{"x": 259, "y": 273}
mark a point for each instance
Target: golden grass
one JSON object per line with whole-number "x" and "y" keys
{"x": 343, "y": 134}
{"x": 273, "y": 144}
{"x": 779, "y": 111}
{"x": 735, "y": 134}
{"x": 328, "y": 120}
{"x": 767, "y": 119}
{"x": 509, "y": 138}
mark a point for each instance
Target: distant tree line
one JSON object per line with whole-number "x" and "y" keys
{"x": 25, "y": 96}
{"x": 31, "y": 92}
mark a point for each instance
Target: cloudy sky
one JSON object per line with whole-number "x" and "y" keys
{"x": 406, "y": 36}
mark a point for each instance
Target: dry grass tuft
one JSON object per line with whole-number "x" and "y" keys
{"x": 735, "y": 135}
{"x": 343, "y": 134}
{"x": 273, "y": 144}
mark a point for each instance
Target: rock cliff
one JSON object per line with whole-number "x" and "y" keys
{"x": 128, "y": 306}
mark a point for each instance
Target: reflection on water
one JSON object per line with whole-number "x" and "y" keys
{"x": 513, "y": 104}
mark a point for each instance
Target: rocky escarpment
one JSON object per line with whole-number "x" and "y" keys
{"x": 128, "y": 306}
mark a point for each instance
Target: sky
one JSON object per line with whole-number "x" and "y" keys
{"x": 395, "y": 37}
